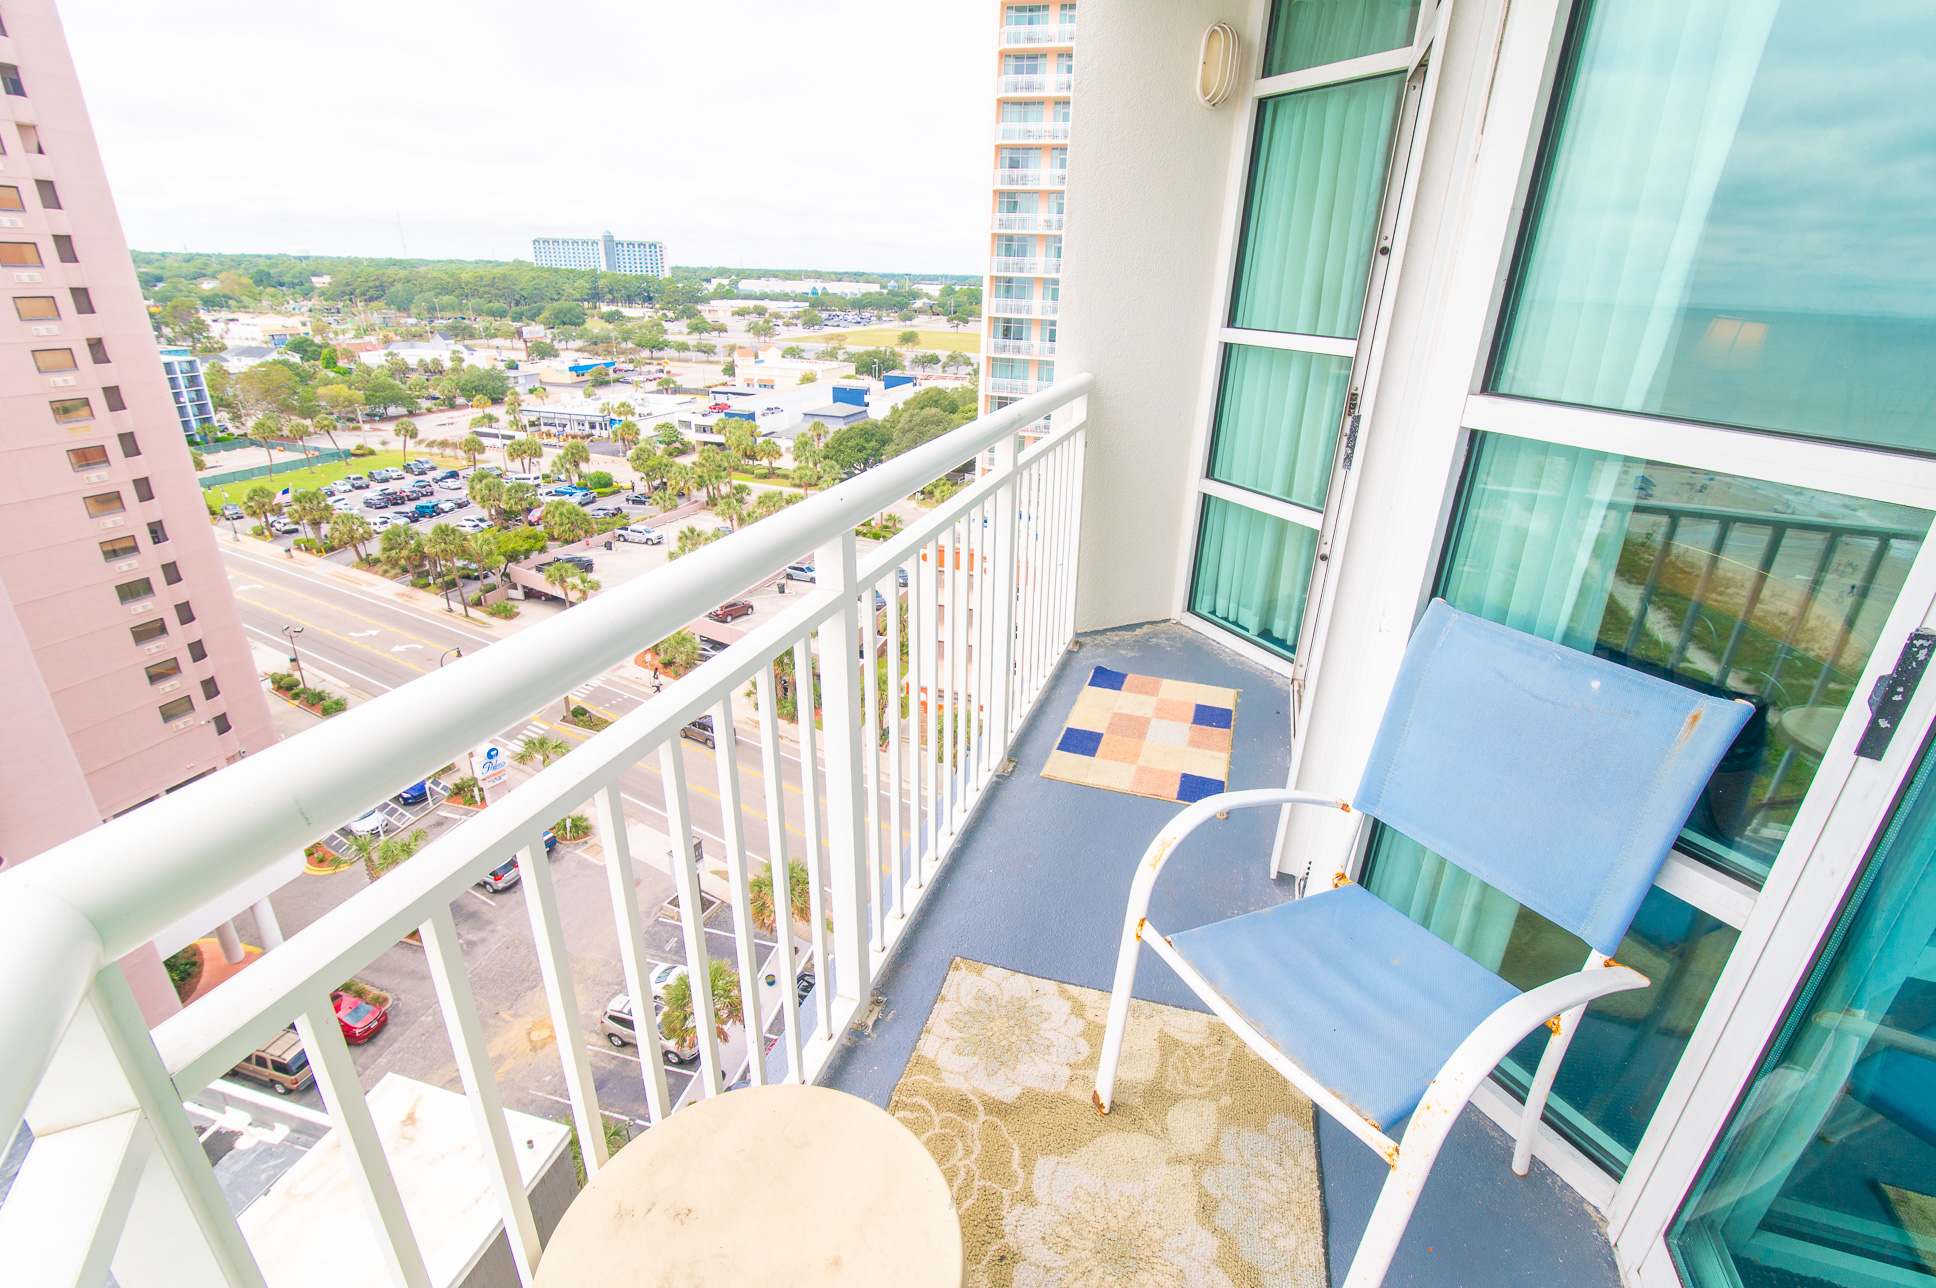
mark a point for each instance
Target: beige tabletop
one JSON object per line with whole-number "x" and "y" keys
{"x": 769, "y": 1185}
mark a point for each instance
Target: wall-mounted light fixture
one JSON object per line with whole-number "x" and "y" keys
{"x": 1217, "y": 64}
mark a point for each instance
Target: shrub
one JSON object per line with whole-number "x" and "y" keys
{"x": 421, "y": 582}
{"x": 580, "y": 712}
{"x": 362, "y": 449}
{"x": 477, "y": 599}
{"x": 466, "y": 790}
{"x": 330, "y": 706}
{"x": 759, "y": 895}
{"x": 504, "y": 608}
{"x": 313, "y": 696}
{"x": 282, "y": 682}
{"x": 183, "y": 966}
{"x": 572, "y": 827}
{"x": 599, "y": 479}
{"x": 678, "y": 653}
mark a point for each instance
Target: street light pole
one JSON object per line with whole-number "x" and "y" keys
{"x": 295, "y": 655}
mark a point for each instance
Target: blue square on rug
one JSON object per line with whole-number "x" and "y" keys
{"x": 1194, "y": 787}
{"x": 1104, "y": 678}
{"x": 1209, "y": 717}
{"x": 1083, "y": 742}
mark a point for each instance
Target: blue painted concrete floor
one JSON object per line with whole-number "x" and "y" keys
{"x": 1038, "y": 884}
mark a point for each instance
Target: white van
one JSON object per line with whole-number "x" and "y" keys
{"x": 532, "y": 479}
{"x": 643, "y": 533}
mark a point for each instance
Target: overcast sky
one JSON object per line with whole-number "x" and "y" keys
{"x": 821, "y": 134}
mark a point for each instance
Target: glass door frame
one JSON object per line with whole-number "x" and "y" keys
{"x": 1781, "y": 923}
{"x": 1402, "y": 172}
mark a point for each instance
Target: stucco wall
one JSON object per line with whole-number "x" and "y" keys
{"x": 1149, "y": 169}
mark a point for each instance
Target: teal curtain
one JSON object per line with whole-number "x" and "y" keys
{"x": 1311, "y": 33}
{"x": 1834, "y": 1146}
{"x": 1252, "y": 573}
{"x": 1311, "y": 214}
{"x": 1732, "y": 221}
{"x": 1277, "y": 421}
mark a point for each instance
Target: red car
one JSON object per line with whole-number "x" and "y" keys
{"x": 731, "y": 609}
{"x": 719, "y": 407}
{"x": 360, "y": 1020}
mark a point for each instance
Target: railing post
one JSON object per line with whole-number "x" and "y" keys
{"x": 836, "y": 571}
{"x": 1002, "y": 623}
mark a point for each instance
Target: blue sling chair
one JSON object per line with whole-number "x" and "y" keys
{"x": 1557, "y": 777}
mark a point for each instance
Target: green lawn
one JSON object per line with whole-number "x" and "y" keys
{"x": 885, "y": 337}
{"x": 317, "y": 475}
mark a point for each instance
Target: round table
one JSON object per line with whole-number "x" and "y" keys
{"x": 794, "y": 1185}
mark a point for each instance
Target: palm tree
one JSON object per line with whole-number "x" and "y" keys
{"x": 626, "y": 432}
{"x": 445, "y": 545}
{"x": 712, "y": 469}
{"x": 311, "y": 508}
{"x": 769, "y": 451}
{"x": 326, "y": 426}
{"x": 541, "y": 748}
{"x": 690, "y": 539}
{"x": 514, "y": 409}
{"x": 259, "y": 503}
{"x": 263, "y": 430}
{"x": 380, "y": 854}
{"x": 733, "y": 505}
{"x": 472, "y": 447}
{"x": 759, "y": 894}
{"x": 565, "y": 522}
{"x": 722, "y": 985}
{"x": 524, "y": 450}
{"x": 352, "y": 530}
{"x": 573, "y": 458}
{"x": 680, "y": 480}
{"x": 650, "y": 463}
{"x": 406, "y": 430}
{"x": 486, "y": 492}
{"x": 666, "y": 384}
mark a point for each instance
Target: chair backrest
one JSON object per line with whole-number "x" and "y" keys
{"x": 1555, "y": 776}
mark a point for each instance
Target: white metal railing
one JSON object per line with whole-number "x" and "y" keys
{"x": 903, "y": 750}
{"x": 1022, "y": 84}
{"x": 1012, "y": 348}
{"x": 1006, "y": 308}
{"x": 1029, "y": 222}
{"x": 1012, "y": 264}
{"x": 1032, "y": 132}
{"x": 1031, "y": 178}
{"x": 1013, "y": 385}
{"x": 1040, "y": 34}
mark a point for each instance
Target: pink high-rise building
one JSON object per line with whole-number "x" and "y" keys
{"x": 123, "y": 666}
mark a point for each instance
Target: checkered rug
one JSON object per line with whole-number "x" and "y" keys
{"x": 1165, "y": 739}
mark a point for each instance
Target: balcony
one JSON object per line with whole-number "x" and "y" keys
{"x": 1024, "y": 265}
{"x": 1004, "y": 347}
{"x": 1028, "y": 222}
{"x": 1039, "y": 34}
{"x": 1032, "y": 132}
{"x": 1028, "y": 178}
{"x": 1013, "y": 386}
{"x": 889, "y": 795}
{"x": 1001, "y": 307}
{"x": 1028, "y": 85}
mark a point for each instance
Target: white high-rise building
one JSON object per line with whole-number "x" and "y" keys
{"x": 606, "y": 253}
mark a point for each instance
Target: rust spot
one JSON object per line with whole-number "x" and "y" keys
{"x": 1391, "y": 1156}
{"x": 1095, "y": 1098}
{"x": 1345, "y": 806}
{"x": 1611, "y": 962}
{"x": 1140, "y": 923}
{"x": 1692, "y": 723}
{"x": 1554, "y": 1024}
{"x": 1339, "y": 880}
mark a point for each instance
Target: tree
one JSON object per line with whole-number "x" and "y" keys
{"x": 525, "y": 450}
{"x": 514, "y": 409}
{"x": 927, "y": 359}
{"x": 311, "y": 508}
{"x": 769, "y": 451}
{"x": 722, "y": 986}
{"x": 382, "y": 393}
{"x": 486, "y": 492}
{"x": 541, "y": 748}
{"x": 499, "y": 550}
{"x": 626, "y": 432}
{"x": 259, "y": 503}
{"x": 733, "y": 504}
{"x": 541, "y": 349}
{"x": 520, "y": 498}
{"x": 347, "y": 528}
{"x": 678, "y": 652}
{"x": 402, "y": 548}
{"x": 857, "y": 447}
{"x": 808, "y": 378}
{"x": 768, "y": 504}
{"x": 565, "y": 521}
{"x": 666, "y": 384}
{"x": 341, "y": 401}
{"x": 558, "y": 577}
{"x": 269, "y": 389}
{"x": 740, "y": 440}
{"x": 407, "y": 431}
{"x": 712, "y": 469}
{"x": 573, "y": 458}
{"x": 867, "y": 360}
{"x": 908, "y": 339}
{"x": 759, "y": 896}
{"x": 380, "y": 854}
{"x": 445, "y": 545}
{"x": 669, "y": 437}
{"x": 472, "y": 447}
{"x": 690, "y": 539}
{"x": 810, "y": 317}
{"x": 562, "y": 313}
{"x": 762, "y": 328}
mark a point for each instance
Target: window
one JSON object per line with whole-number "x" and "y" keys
{"x": 1276, "y": 428}
{"x": 72, "y": 411}
{"x": 111, "y": 394}
{"x": 83, "y": 302}
{"x": 130, "y": 445}
{"x": 1310, "y": 33}
{"x": 150, "y": 631}
{"x": 177, "y": 709}
{"x": 30, "y": 140}
{"x": 197, "y": 651}
{"x": 130, "y": 591}
{"x": 36, "y": 308}
{"x": 49, "y": 196}
{"x": 19, "y": 255}
{"x": 157, "y": 533}
{"x": 87, "y": 458}
{"x": 210, "y": 690}
{"x": 46, "y": 360}
{"x": 171, "y": 573}
{"x": 102, "y": 504}
{"x": 10, "y": 198}
{"x": 10, "y": 80}
{"x": 119, "y": 548}
{"x": 1768, "y": 272}
{"x": 97, "y": 350}
{"x": 1253, "y": 572}
{"x": 221, "y": 722}
{"x": 144, "y": 490}
{"x": 161, "y": 672}
{"x": 184, "y": 612}
{"x": 64, "y": 249}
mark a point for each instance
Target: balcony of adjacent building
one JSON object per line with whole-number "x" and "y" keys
{"x": 1018, "y": 178}
{"x": 1003, "y": 306}
{"x": 1039, "y": 35}
{"x": 939, "y": 859}
{"x": 1028, "y": 221}
{"x": 1004, "y": 347}
{"x": 1031, "y": 132}
{"x": 1035, "y": 84}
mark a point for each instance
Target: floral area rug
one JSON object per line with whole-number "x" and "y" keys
{"x": 1147, "y": 736}
{"x": 1204, "y": 1172}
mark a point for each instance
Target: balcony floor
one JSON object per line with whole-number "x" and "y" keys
{"x": 1037, "y": 884}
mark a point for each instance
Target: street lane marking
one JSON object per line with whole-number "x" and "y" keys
{"x": 481, "y": 897}
{"x": 331, "y": 664}
{"x": 398, "y": 606}
{"x": 402, "y": 648}
{"x": 355, "y": 635}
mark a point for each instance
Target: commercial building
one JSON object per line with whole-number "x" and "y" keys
{"x": 127, "y": 675}
{"x": 606, "y": 253}
{"x": 1607, "y": 321}
{"x": 1034, "y": 93}
{"x": 189, "y": 389}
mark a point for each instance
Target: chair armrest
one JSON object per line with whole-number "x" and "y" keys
{"x": 1196, "y": 815}
{"x": 1477, "y": 1056}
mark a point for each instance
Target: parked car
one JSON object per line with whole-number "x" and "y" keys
{"x": 450, "y": 476}
{"x": 423, "y": 491}
{"x": 357, "y": 481}
{"x": 232, "y": 511}
{"x": 451, "y": 484}
{"x": 374, "y": 823}
{"x": 662, "y": 976}
{"x": 378, "y": 501}
{"x": 473, "y": 523}
{"x": 731, "y": 610}
{"x": 380, "y": 522}
{"x": 709, "y": 647}
{"x": 502, "y": 877}
{"x": 415, "y": 794}
{"x": 700, "y": 730}
{"x": 637, "y": 498}
{"x": 799, "y": 572}
{"x": 642, "y": 533}
{"x": 581, "y": 498}
{"x": 532, "y": 479}
{"x": 582, "y": 562}
{"x": 425, "y": 510}
{"x": 720, "y": 406}
{"x": 280, "y": 1062}
{"x": 359, "y": 1019}
{"x": 344, "y": 502}
{"x": 419, "y": 466}
{"x": 448, "y": 506}
{"x": 283, "y": 527}
{"x": 608, "y": 512}
{"x": 621, "y": 1031}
